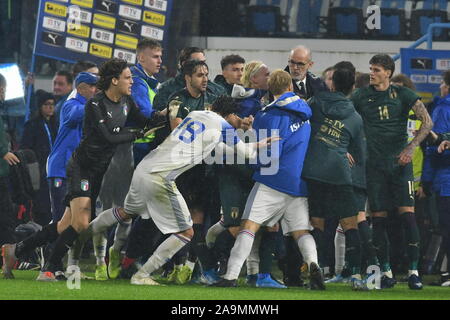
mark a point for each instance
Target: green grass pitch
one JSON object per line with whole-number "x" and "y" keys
{"x": 25, "y": 287}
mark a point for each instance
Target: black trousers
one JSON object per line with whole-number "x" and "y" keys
{"x": 7, "y": 223}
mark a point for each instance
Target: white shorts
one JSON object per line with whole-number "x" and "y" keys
{"x": 156, "y": 195}
{"x": 266, "y": 206}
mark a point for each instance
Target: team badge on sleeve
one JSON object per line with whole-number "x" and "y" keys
{"x": 58, "y": 182}
{"x": 84, "y": 185}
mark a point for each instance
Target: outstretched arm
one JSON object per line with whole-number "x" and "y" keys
{"x": 421, "y": 113}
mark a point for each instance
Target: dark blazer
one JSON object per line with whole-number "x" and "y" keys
{"x": 313, "y": 85}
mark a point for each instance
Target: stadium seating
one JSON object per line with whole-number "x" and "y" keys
{"x": 427, "y": 12}
{"x": 394, "y": 18}
{"x": 346, "y": 18}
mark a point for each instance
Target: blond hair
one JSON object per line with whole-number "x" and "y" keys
{"x": 250, "y": 70}
{"x": 279, "y": 82}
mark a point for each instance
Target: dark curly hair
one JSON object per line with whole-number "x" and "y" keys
{"x": 109, "y": 70}
{"x": 225, "y": 105}
{"x": 385, "y": 61}
{"x": 191, "y": 66}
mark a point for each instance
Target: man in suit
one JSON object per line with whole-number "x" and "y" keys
{"x": 305, "y": 83}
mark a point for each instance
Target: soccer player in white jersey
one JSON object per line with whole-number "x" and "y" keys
{"x": 153, "y": 189}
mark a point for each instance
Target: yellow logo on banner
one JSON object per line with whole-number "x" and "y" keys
{"x": 104, "y": 21}
{"x": 126, "y": 41}
{"x": 136, "y": 2}
{"x": 154, "y": 18}
{"x": 55, "y": 9}
{"x": 84, "y": 3}
{"x": 100, "y": 50}
{"x": 78, "y": 30}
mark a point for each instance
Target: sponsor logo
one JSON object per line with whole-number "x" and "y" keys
{"x": 54, "y": 24}
{"x": 419, "y": 78}
{"x": 126, "y": 41}
{"x": 154, "y": 18}
{"x": 100, "y": 50}
{"x": 234, "y": 212}
{"x": 130, "y": 12}
{"x": 152, "y": 32}
{"x": 422, "y": 63}
{"x": 435, "y": 78}
{"x": 52, "y": 39}
{"x": 83, "y": 3}
{"x": 127, "y": 26}
{"x": 80, "y": 15}
{"x": 76, "y": 44}
{"x": 442, "y": 64}
{"x": 160, "y": 5}
{"x": 78, "y": 30}
{"x": 136, "y": 2}
{"x": 104, "y": 21}
{"x": 128, "y": 56}
{"x": 84, "y": 185}
{"x": 55, "y": 9}
{"x": 102, "y": 35}
{"x": 106, "y": 6}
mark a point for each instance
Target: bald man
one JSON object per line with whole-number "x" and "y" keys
{"x": 305, "y": 83}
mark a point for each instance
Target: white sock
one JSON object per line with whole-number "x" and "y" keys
{"x": 213, "y": 232}
{"x": 164, "y": 252}
{"x": 339, "y": 251}
{"x": 239, "y": 253}
{"x": 388, "y": 274}
{"x": 308, "y": 249}
{"x": 104, "y": 220}
{"x": 411, "y": 272}
{"x": 252, "y": 262}
{"x": 444, "y": 265}
{"x": 121, "y": 235}
{"x": 99, "y": 240}
{"x": 190, "y": 264}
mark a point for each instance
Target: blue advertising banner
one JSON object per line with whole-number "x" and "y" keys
{"x": 96, "y": 30}
{"x": 425, "y": 68}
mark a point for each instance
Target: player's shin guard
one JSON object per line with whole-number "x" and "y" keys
{"x": 48, "y": 234}
{"x": 353, "y": 250}
{"x": 164, "y": 252}
{"x": 412, "y": 238}
{"x": 62, "y": 245}
{"x": 381, "y": 242}
{"x": 266, "y": 251}
{"x": 367, "y": 243}
{"x": 239, "y": 253}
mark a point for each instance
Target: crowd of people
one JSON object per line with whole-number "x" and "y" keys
{"x": 195, "y": 177}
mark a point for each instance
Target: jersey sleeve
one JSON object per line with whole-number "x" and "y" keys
{"x": 136, "y": 115}
{"x": 139, "y": 92}
{"x": 408, "y": 98}
{"x": 228, "y": 134}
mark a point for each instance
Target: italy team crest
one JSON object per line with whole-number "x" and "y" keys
{"x": 57, "y": 183}
{"x": 84, "y": 185}
{"x": 234, "y": 212}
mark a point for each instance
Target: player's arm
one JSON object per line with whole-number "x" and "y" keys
{"x": 443, "y": 146}
{"x": 421, "y": 113}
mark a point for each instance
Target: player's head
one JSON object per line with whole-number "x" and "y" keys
{"x": 382, "y": 68}
{"x": 190, "y": 53}
{"x": 149, "y": 55}
{"x": 300, "y": 61}
{"x": 226, "y": 107}
{"x": 2, "y": 88}
{"x": 327, "y": 75}
{"x": 362, "y": 80}
{"x": 115, "y": 75}
{"x": 232, "y": 68}
{"x": 403, "y": 80}
{"x": 345, "y": 65}
{"x": 256, "y": 74}
{"x": 280, "y": 82}
{"x": 196, "y": 76}
{"x": 84, "y": 66}
{"x": 445, "y": 84}
{"x": 86, "y": 84}
{"x": 343, "y": 80}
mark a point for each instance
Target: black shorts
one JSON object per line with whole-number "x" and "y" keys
{"x": 360, "y": 198}
{"x": 331, "y": 200}
{"x": 235, "y": 184}
{"x": 389, "y": 185}
{"x": 193, "y": 187}
{"x": 82, "y": 182}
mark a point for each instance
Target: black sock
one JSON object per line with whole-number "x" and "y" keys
{"x": 293, "y": 260}
{"x": 412, "y": 238}
{"x": 200, "y": 250}
{"x": 367, "y": 243}
{"x": 353, "y": 251}
{"x": 143, "y": 237}
{"x": 62, "y": 245}
{"x": 48, "y": 234}
{"x": 381, "y": 242}
{"x": 224, "y": 244}
{"x": 266, "y": 251}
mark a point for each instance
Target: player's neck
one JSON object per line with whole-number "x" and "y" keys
{"x": 113, "y": 95}
{"x": 382, "y": 86}
{"x": 194, "y": 92}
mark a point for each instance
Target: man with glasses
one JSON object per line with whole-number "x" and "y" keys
{"x": 305, "y": 83}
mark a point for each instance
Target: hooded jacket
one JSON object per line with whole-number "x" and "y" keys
{"x": 249, "y": 100}
{"x": 290, "y": 115}
{"x": 336, "y": 129}
{"x": 143, "y": 90}
{"x": 436, "y": 169}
